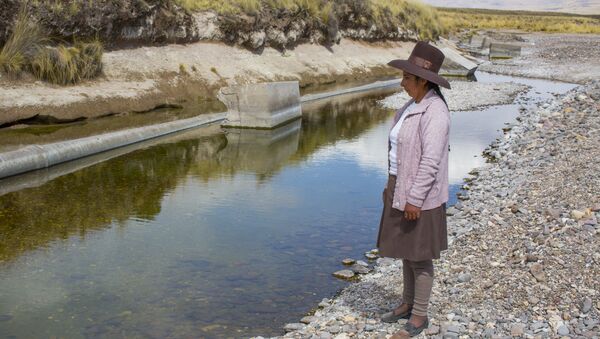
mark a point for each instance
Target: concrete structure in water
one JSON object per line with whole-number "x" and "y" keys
{"x": 264, "y": 105}
{"x": 455, "y": 64}
{"x": 500, "y": 50}
{"x": 34, "y": 157}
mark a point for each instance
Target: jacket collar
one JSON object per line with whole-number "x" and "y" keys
{"x": 422, "y": 106}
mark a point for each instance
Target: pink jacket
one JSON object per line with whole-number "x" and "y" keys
{"x": 423, "y": 154}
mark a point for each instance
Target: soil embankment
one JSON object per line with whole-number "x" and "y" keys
{"x": 164, "y": 54}
{"x": 140, "y": 79}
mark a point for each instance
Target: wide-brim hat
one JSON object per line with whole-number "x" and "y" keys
{"x": 425, "y": 62}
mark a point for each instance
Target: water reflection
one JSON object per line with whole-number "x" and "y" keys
{"x": 223, "y": 234}
{"x": 147, "y": 244}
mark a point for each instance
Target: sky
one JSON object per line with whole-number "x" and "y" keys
{"x": 571, "y": 6}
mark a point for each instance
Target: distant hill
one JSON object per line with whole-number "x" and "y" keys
{"x": 567, "y": 6}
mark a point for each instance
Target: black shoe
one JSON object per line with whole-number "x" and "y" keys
{"x": 414, "y": 331}
{"x": 391, "y": 317}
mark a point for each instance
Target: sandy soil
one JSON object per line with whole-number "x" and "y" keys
{"x": 143, "y": 78}
{"x": 565, "y": 57}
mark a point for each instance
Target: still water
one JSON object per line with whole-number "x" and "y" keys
{"x": 210, "y": 233}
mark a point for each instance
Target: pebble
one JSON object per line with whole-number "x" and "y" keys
{"x": 587, "y": 305}
{"x": 307, "y": 319}
{"x": 359, "y": 269}
{"x": 517, "y": 330}
{"x": 537, "y": 270}
{"x": 432, "y": 330}
{"x": 371, "y": 256}
{"x": 362, "y": 263}
{"x": 293, "y": 327}
{"x": 324, "y": 303}
{"x": 577, "y": 215}
{"x": 348, "y": 261}
{"x": 563, "y": 330}
{"x": 464, "y": 277}
{"x": 344, "y": 274}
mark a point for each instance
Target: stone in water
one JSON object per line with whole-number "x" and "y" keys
{"x": 344, "y": 274}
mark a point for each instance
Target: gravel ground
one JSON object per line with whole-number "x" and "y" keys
{"x": 524, "y": 256}
{"x": 567, "y": 57}
{"x": 467, "y": 95}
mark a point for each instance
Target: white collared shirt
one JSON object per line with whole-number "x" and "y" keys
{"x": 394, "y": 140}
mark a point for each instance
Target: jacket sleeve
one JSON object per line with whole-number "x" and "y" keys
{"x": 434, "y": 129}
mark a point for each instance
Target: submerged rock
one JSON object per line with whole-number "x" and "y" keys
{"x": 344, "y": 274}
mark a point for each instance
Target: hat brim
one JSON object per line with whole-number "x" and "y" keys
{"x": 411, "y": 68}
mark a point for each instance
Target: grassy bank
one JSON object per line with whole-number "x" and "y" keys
{"x": 411, "y": 14}
{"x": 455, "y": 19}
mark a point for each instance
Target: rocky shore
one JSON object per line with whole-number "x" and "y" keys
{"x": 564, "y": 57}
{"x": 467, "y": 95}
{"x": 524, "y": 257}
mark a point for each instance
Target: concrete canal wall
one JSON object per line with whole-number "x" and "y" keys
{"x": 36, "y": 157}
{"x": 282, "y": 99}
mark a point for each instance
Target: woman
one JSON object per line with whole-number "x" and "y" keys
{"x": 413, "y": 222}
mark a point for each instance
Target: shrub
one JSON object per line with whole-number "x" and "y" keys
{"x": 68, "y": 65}
{"x": 23, "y": 43}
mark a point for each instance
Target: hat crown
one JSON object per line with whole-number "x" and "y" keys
{"x": 427, "y": 56}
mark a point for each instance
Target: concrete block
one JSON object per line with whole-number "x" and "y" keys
{"x": 455, "y": 64}
{"x": 500, "y": 50}
{"x": 264, "y": 105}
{"x": 476, "y": 41}
{"x": 486, "y": 43}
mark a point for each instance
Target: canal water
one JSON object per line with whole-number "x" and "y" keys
{"x": 212, "y": 233}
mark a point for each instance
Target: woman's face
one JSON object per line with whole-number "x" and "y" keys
{"x": 413, "y": 85}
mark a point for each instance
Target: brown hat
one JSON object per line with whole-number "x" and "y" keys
{"x": 425, "y": 62}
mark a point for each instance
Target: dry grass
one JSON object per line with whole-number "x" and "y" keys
{"x": 23, "y": 43}
{"x": 27, "y": 49}
{"x": 457, "y": 19}
{"x": 411, "y": 14}
{"x": 68, "y": 65}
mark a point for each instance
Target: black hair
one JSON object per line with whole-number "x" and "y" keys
{"x": 437, "y": 90}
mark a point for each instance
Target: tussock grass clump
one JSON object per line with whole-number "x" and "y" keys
{"x": 28, "y": 49}
{"x": 68, "y": 65}
{"x": 457, "y": 19}
{"x": 22, "y": 44}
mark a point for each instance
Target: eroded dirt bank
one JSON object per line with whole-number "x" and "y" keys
{"x": 143, "y": 78}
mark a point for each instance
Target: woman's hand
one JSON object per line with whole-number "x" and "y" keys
{"x": 411, "y": 212}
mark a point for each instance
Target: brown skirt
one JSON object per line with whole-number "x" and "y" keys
{"x": 417, "y": 240}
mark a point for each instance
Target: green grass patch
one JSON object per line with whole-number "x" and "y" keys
{"x": 455, "y": 19}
